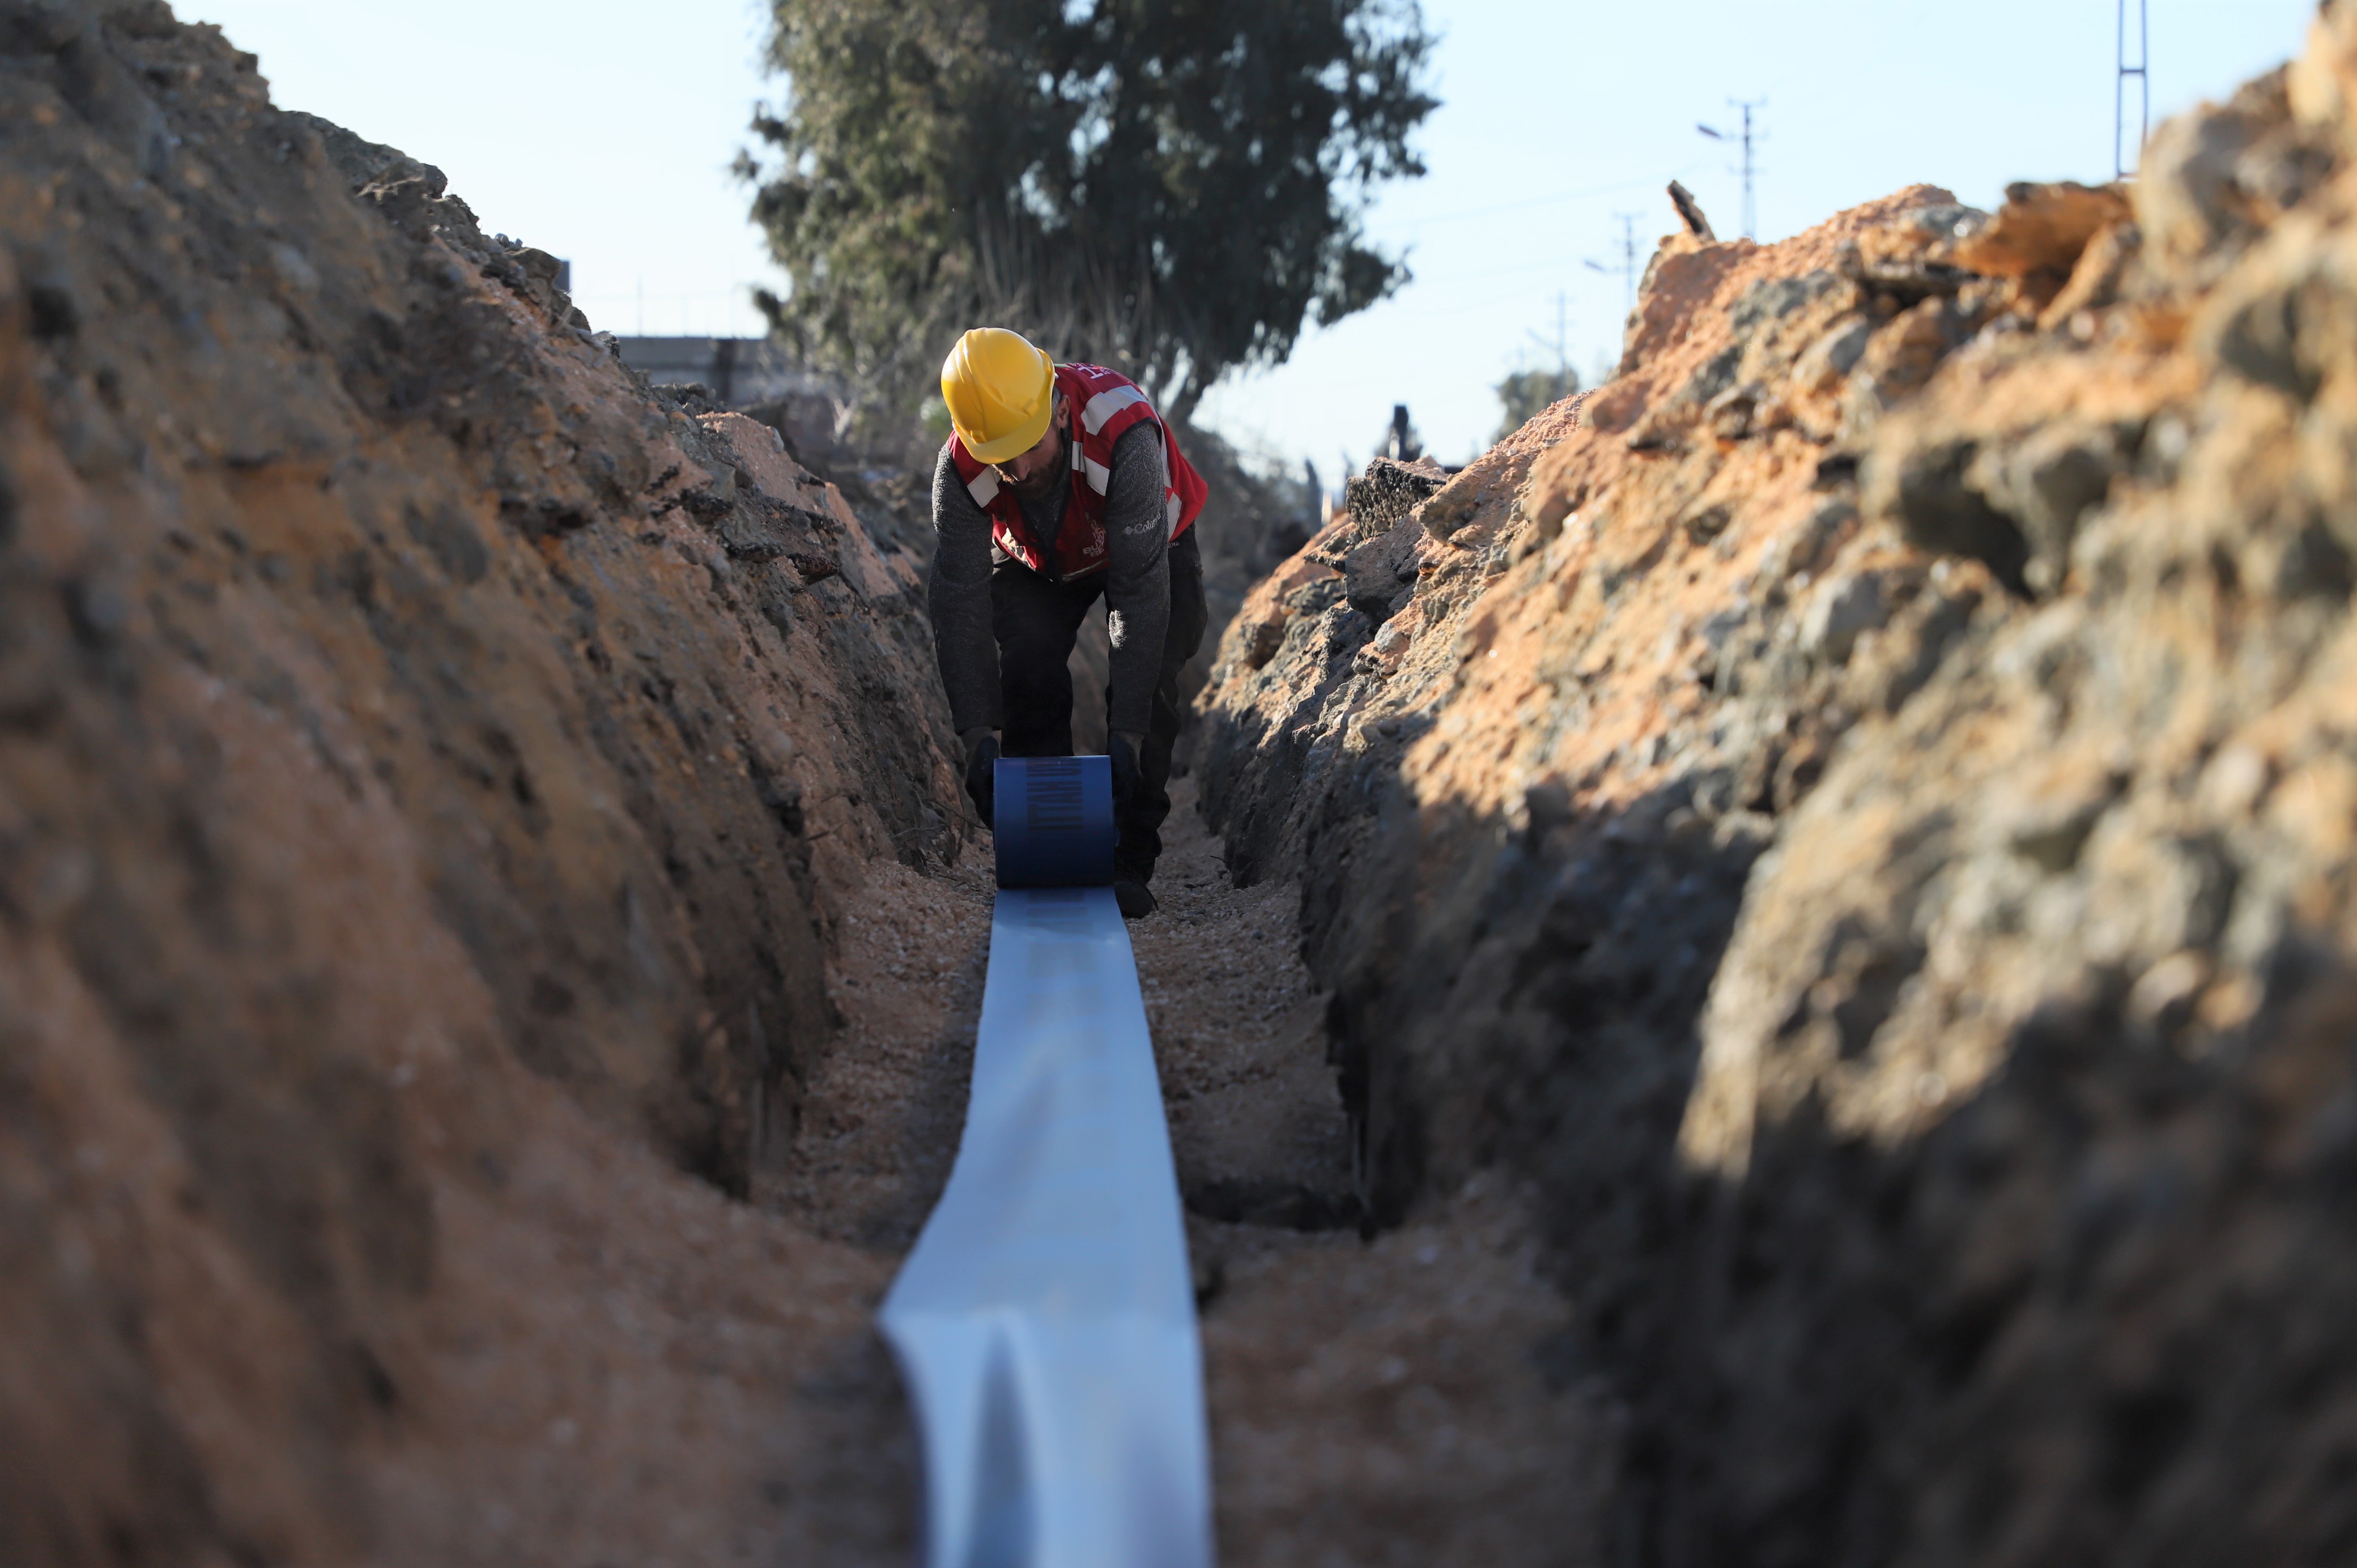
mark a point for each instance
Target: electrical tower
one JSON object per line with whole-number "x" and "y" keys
{"x": 2141, "y": 57}
{"x": 1627, "y": 265}
{"x": 1748, "y": 137}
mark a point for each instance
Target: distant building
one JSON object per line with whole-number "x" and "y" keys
{"x": 739, "y": 371}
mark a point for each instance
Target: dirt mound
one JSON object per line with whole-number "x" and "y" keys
{"x": 429, "y": 768}
{"x": 1930, "y": 649}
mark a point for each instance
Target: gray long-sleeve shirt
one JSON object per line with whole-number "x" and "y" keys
{"x": 1137, "y": 580}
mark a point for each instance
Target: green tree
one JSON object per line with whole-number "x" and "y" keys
{"x": 1167, "y": 186}
{"x": 1525, "y": 393}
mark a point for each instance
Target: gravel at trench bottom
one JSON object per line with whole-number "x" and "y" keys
{"x": 1407, "y": 1399}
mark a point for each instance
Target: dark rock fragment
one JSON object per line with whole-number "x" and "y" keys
{"x": 50, "y": 311}
{"x": 1690, "y": 213}
{"x": 451, "y": 538}
{"x": 1261, "y": 640}
{"x": 1941, "y": 511}
{"x": 1388, "y": 490}
{"x": 1729, "y": 415}
{"x": 1370, "y": 581}
{"x": 1772, "y": 299}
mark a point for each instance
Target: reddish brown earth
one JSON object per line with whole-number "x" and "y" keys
{"x": 1856, "y": 819}
{"x": 1773, "y": 986}
{"x": 490, "y": 937}
{"x": 429, "y": 772}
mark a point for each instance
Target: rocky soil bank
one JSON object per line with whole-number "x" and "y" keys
{"x": 1863, "y": 814}
{"x": 489, "y": 935}
{"x": 432, "y": 773}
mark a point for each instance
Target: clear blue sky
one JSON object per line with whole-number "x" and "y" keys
{"x": 603, "y": 131}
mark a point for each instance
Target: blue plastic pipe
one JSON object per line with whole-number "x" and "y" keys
{"x": 1045, "y": 1322}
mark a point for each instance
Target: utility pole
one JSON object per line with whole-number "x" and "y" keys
{"x": 1627, "y": 265}
{"x": 2142, "y": 56}
{"x": 1747, "y": 137}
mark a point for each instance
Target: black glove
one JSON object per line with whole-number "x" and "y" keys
{"x": 1126, "y": 778}
{"x": 982, "y": 778}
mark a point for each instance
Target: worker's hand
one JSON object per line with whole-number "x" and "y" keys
{"x": 1128, "y": 778}
{"x": 982, "y": 773}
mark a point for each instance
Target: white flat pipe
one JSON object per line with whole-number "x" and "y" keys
{"x": 1045, "y": 1322}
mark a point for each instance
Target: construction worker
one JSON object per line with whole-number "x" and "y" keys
{"x": 1059, "y": 483}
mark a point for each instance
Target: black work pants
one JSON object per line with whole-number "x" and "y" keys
{"x": 1035, "y": 620}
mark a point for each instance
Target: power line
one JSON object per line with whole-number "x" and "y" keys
{"x": 2143, "y": 58}
{"x": 1747, "y": 137}
{"x": 1627, "y": 265}
{"x": 1533, "y": 202}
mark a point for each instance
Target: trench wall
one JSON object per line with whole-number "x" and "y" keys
{"x": 401, "y": 712}
{"x": 1855, "y": 814}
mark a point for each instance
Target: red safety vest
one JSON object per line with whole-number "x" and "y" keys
{"x": 1104, "y": 404}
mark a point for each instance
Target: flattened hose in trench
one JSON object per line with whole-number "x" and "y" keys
{"x": 1045, "y": 1322}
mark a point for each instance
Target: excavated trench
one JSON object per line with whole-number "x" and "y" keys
{"x": 489, "y": 935}
{"x": 1372, "y": 1399}
{"x": 1760, "y": 977}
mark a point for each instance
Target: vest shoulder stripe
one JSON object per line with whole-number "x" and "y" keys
{"x": 1099, "y": 475}
{"x": 1105, "y": 404}
{"x": 983, "y": 488}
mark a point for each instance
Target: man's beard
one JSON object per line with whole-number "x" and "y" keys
{"x": 1041, "y": 484}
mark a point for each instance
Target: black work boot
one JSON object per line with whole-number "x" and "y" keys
{"x": 1129, "y": 889}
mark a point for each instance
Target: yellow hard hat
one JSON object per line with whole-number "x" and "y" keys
{"x": 1000, "y": 391}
